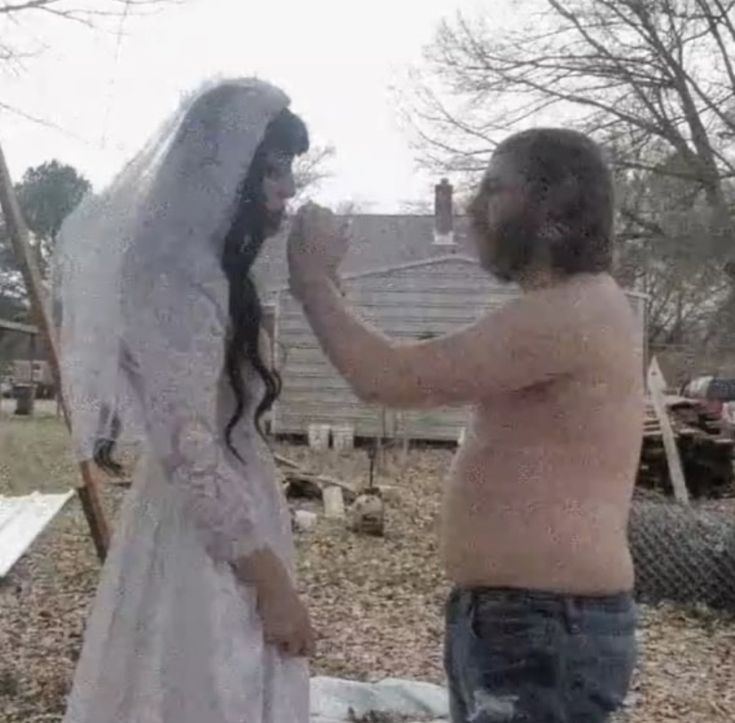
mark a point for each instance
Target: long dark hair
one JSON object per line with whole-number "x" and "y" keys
{"x": 286, "y": 136}
{"x": 252, "y": 223}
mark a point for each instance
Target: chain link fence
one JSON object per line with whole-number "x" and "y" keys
{"x": 683, "y": 554}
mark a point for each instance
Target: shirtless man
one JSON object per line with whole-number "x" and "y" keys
{"x": 541, "y": 621}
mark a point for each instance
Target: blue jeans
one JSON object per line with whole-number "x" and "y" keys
{"x": 519, "y": 655}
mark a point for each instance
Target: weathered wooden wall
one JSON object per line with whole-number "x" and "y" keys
{"x": 406, "y": 302}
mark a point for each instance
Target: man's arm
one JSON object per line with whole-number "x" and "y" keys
{"x": 528, "y": 341}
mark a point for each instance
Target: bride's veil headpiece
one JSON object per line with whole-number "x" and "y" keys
{"x": 164, "y": 216}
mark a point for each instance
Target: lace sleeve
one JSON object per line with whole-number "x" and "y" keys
{"x": 179, "y": 345}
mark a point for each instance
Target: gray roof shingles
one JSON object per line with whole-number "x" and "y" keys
{"x": 377, "y": 242}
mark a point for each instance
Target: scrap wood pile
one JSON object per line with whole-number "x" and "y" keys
{"x": 309, "y": 491}
{"x": 365, "y": 513}
{"x": 705, "y": 449}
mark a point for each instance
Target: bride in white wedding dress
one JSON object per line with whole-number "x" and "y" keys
{"x": 196, "y": 618}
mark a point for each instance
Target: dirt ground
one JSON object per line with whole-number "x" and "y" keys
{"x": 376, "y": 602}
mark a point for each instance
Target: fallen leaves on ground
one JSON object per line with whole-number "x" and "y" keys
{"x": 377, "y": 602}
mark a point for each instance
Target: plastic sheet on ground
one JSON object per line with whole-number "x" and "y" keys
{"x": 22, "y": 520}
{"x": 332, "y": 699}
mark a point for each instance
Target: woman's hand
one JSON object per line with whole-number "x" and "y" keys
{"x": 286, "y": 622}
{"x": 285, "y": 619}
{"x": 316, "y": 246}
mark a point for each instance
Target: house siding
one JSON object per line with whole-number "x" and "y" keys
{"x": 405, "y": 302}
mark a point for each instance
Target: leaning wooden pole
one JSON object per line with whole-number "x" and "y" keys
{"x": 88, "y": 490}
{"x": 657, "y": 389}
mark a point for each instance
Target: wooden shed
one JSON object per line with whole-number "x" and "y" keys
{"x": 409, "y": 301}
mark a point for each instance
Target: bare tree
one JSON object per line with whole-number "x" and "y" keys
{"x": 105, "y": 14}
{"x": 655, "y": 79}
{"x": 418, "y": 207}
{"x": 312, "y": 169}
{"x": 353, "y": 207}
{"x": 79, "y": 11}
{"x": 663, "y": 250}
{"x": 684, "y": 294}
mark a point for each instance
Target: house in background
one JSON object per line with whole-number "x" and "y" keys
{"x": 380, "y": 241}
{"x": 24, "y": 360}
{"x": 414, "y": 277}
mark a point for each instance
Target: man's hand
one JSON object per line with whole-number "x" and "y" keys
{"x": 316, "y": 246}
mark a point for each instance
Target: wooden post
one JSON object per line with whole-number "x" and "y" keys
{"x": 334, "y": 506}
{"x": 380, "y": 445}
{"x": 32, "y": 372}
{"x": 372, "y": 454}
{"x": 18, "y": 232}
{"x": 405, "y": 449}
{"x": 405, "y": 439}
{"x": 657, "y": 388}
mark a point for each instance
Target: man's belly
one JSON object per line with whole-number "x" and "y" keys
{"x": 545, "y": 544}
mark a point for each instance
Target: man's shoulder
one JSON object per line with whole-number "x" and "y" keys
{"x": 587, "y": 302}
{"x": 594, "y": 321}
{"x": 573, "y": 304}
{"x": 589, "y": 318}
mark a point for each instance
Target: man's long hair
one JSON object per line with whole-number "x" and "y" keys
{"x": 567, "y": 218}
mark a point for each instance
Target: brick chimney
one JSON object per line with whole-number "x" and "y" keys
{"x": 443, "y": 214}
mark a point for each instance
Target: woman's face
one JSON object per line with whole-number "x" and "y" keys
{"x": 278, "y": 183}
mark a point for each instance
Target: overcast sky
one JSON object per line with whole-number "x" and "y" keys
{"x": 336, "y": 59}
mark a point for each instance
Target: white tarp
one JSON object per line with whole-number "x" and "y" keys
{"x": 332, "y": 699}
{"x": 22, "y": 519}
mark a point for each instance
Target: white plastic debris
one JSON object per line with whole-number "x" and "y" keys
{"x": 22, "y": 519}
{"x": 305, "y": 520}
{"x": 332, "y": 699}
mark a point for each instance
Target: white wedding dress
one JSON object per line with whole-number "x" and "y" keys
{"x": 142, "y": 306}
{"x": 173, "y": 637}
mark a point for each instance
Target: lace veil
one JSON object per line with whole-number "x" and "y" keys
{"x": 164, "y": 217}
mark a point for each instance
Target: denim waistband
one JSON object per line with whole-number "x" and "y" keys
{"x": 615, "y": 603}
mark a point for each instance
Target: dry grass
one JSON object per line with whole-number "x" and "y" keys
{"x": 377, "y": 602}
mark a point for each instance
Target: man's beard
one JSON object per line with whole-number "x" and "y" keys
{"x": 509, "y": 247}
